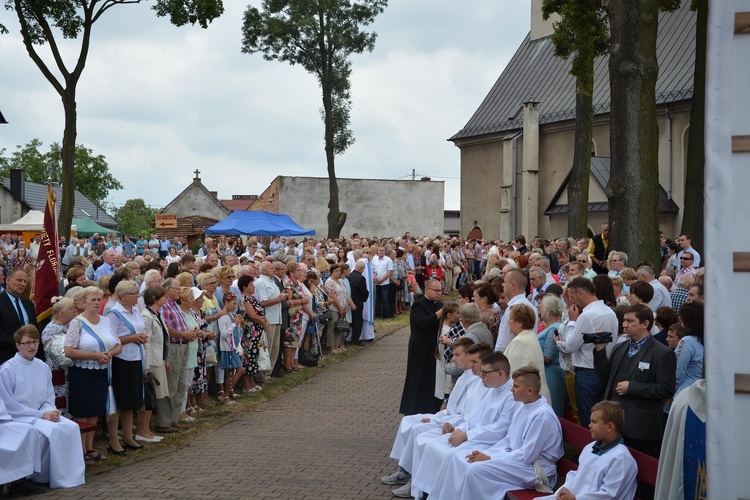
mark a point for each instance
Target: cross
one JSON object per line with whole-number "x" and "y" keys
{"x": 196, "y": 174}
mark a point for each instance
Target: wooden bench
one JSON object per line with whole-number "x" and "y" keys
{"x": 61, "y": 402}
{"x": 578, "y": 437}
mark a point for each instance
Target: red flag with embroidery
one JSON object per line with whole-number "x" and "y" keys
{"x": 47, "y": 275}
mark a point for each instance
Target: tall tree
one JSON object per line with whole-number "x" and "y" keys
{"x": 634, "y": 177}
{"x": 692, "y": 219}
{"x": 92, "y": 176}
{"x": 43, "y": 22}
{"x": 134, "y": 217}
{"x": 582, "y": 32}
{"x": 319, "y": 35}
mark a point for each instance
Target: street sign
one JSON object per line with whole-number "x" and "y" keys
{"x": 166, "y": 221}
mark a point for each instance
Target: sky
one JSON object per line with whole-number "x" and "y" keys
{"x": 160, "y": 102}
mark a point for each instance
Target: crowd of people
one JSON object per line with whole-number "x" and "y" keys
{"x": 582, "y": 336}
{"x": 146, "y": 326}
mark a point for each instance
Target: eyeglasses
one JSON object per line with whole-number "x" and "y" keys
{"x": 435, "y": 289}
{"x": 686, "y": 258}
{"x": 484, "y": 373}
{"x": 582, "y": 261}
{"x": 230, "y": 277}
{"x": 29, "y": 342}
{"x": 211, "y": 283}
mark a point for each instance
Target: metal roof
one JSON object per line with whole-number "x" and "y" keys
{"x": 600, "y": 174}
{"x": 534, "y": 74}
{"x": 36, "y": 198}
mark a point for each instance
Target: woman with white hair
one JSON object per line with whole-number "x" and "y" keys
{"x": 550, "y": 313}
{"x": 151, "y": 278}
{"x": 53, "y": 336}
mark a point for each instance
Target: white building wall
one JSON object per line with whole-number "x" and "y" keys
{"x": 375, "y": 207}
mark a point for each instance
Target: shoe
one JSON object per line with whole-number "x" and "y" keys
{"x": 360, "y": 343}
{"x": 24, "y": 488}
{"x": 115, "y": 452}
{"x": 141, "y": 439}
{"x": 227, "y": 401}
{"x": 398, "y": 477}
{"x": 403, "y": 492}
{"x": 131, "y": 447}
{"x": 166, "y": 430}
{"x": 187, "y": 418}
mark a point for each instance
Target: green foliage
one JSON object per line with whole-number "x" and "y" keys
{"x": 134, "y": 217}
{"x": 582, "y": 31}
{"x": 92, "y": 176}
{"x": 182, "y": 12}
{"x": 319, "y": 35}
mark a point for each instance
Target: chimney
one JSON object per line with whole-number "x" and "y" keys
{"x": 17, "y": 184}
{"x": 215, "y": 194}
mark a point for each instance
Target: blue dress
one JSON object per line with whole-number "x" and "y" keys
{"x": 689, "y": 354}
{"x": 552, "y": 371}
{"x": 230, "y": 359}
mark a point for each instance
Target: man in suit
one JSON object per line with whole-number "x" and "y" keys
{"x": 640, "y": 374}
{"x": 360, "y": 295}
{"x": 15, "y": 311}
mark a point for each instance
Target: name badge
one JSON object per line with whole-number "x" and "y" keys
{"x": 643, "y": 365}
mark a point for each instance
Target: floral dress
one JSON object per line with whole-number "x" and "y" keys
{"x": 252, "y": 333}
{"x": 199, "y": 383}
{"x": 209, "y": 308}
{"x": 292, "y": 334}
{"x": 52, "y": 330}
{"x": 403, "y": 269}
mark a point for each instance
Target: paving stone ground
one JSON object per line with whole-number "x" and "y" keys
{"x": 329, "y": 438}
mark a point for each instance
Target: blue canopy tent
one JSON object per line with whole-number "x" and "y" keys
{"x": 257, "y": 223}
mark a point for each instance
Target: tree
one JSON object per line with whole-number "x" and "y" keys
{"x": 134, "y": 217}
{"x": 42, "y": 22}
{"x": 581, "y": 32}
{"x": 634, "y": 176}
{"x": 319, "y": 35}
{"x": 92, "y": 176}
{"x": 692, "y": 219}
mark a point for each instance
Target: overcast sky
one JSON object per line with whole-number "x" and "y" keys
{"x": 159, "y": 102}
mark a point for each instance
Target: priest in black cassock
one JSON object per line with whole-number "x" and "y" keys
{"x": 419, "y": 386}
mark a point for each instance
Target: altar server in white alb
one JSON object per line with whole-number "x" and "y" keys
{"x": 423, "y": 422}
{"x": 606, "y": 469}
{"x": 26, "y": 388}
{"x": 485, "y": 427}
{"x": 525, "y": 459}
{"x": 419, "y": 436}
{"x": 18, "y": 449}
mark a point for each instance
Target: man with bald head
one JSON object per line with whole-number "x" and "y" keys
{"x": 360, "y": 294}
{"x": 271, "y": 298}
{"x": 108, "y": 267}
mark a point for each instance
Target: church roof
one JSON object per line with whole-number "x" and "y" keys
{"x": 600, "y": 174}
{"x": 534, "y": 74}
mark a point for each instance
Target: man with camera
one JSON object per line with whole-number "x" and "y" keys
{"x": 640, "y": 374}
{"x": 587, "y": 314}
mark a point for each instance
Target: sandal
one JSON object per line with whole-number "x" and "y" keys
{"x": 88, "y": 461}
{"x": 96, "y": 456}
{"x": 227, "y": 401}
{"x": 233, "y": 395}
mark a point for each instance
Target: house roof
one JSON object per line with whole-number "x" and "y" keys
{"x": 600, "y": 173}
{"x": 535, "y": 74}
{"x": 239, "y": 201}
{"x": 196, "y": 200}
{"x": 35, "y": 197}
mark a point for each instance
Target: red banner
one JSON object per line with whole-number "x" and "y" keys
{"x": 47, "y": 275}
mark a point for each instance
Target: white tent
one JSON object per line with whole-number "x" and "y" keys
{"x": 32, "y": 221}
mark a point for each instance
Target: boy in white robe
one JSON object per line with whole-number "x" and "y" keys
{"x": 18, "y": 450}
{"x": 26, "y": 387}
{"x": 422, "y": 422}
{"x": 419, "y": 435}
{"x": 487, "y": 426}
{"x": 525, "y": 458}
{"x": 606, "y": 470}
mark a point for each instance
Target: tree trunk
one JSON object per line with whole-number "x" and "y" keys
{"x": 67, "y": 155}
{"x": 692, "y": 219}
{"x": 633, "y": 182}
{"x": 578, "y": 187}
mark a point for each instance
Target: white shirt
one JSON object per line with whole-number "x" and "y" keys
{"x": 661, "y": 296}
{"x": 380, "y": 267}
{"x": 594, "y": 317}
{"x": 266, "y": 289}
{"x": 130, "y": 351}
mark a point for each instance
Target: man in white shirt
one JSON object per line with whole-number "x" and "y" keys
{"x": 589, "y": 315}
{"x": 270, "y": 297}
{"x": 685, "y": 242}
{"x": 382, "y": 269}
{"x": 514, "y": 288}
{"x": 34, "y": 246}
{"x": 619, "y": 262}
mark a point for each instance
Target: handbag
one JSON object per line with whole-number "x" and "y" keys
{"x": 149, "y": 400}
{"x": 211, "y": 357}
{"x": 307, "y": 358}
{"x": 264, "y": 358}
{"x": 55, "y": 350}
{"x": 325, "y": 317}
{"x": 341, "y": 325}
